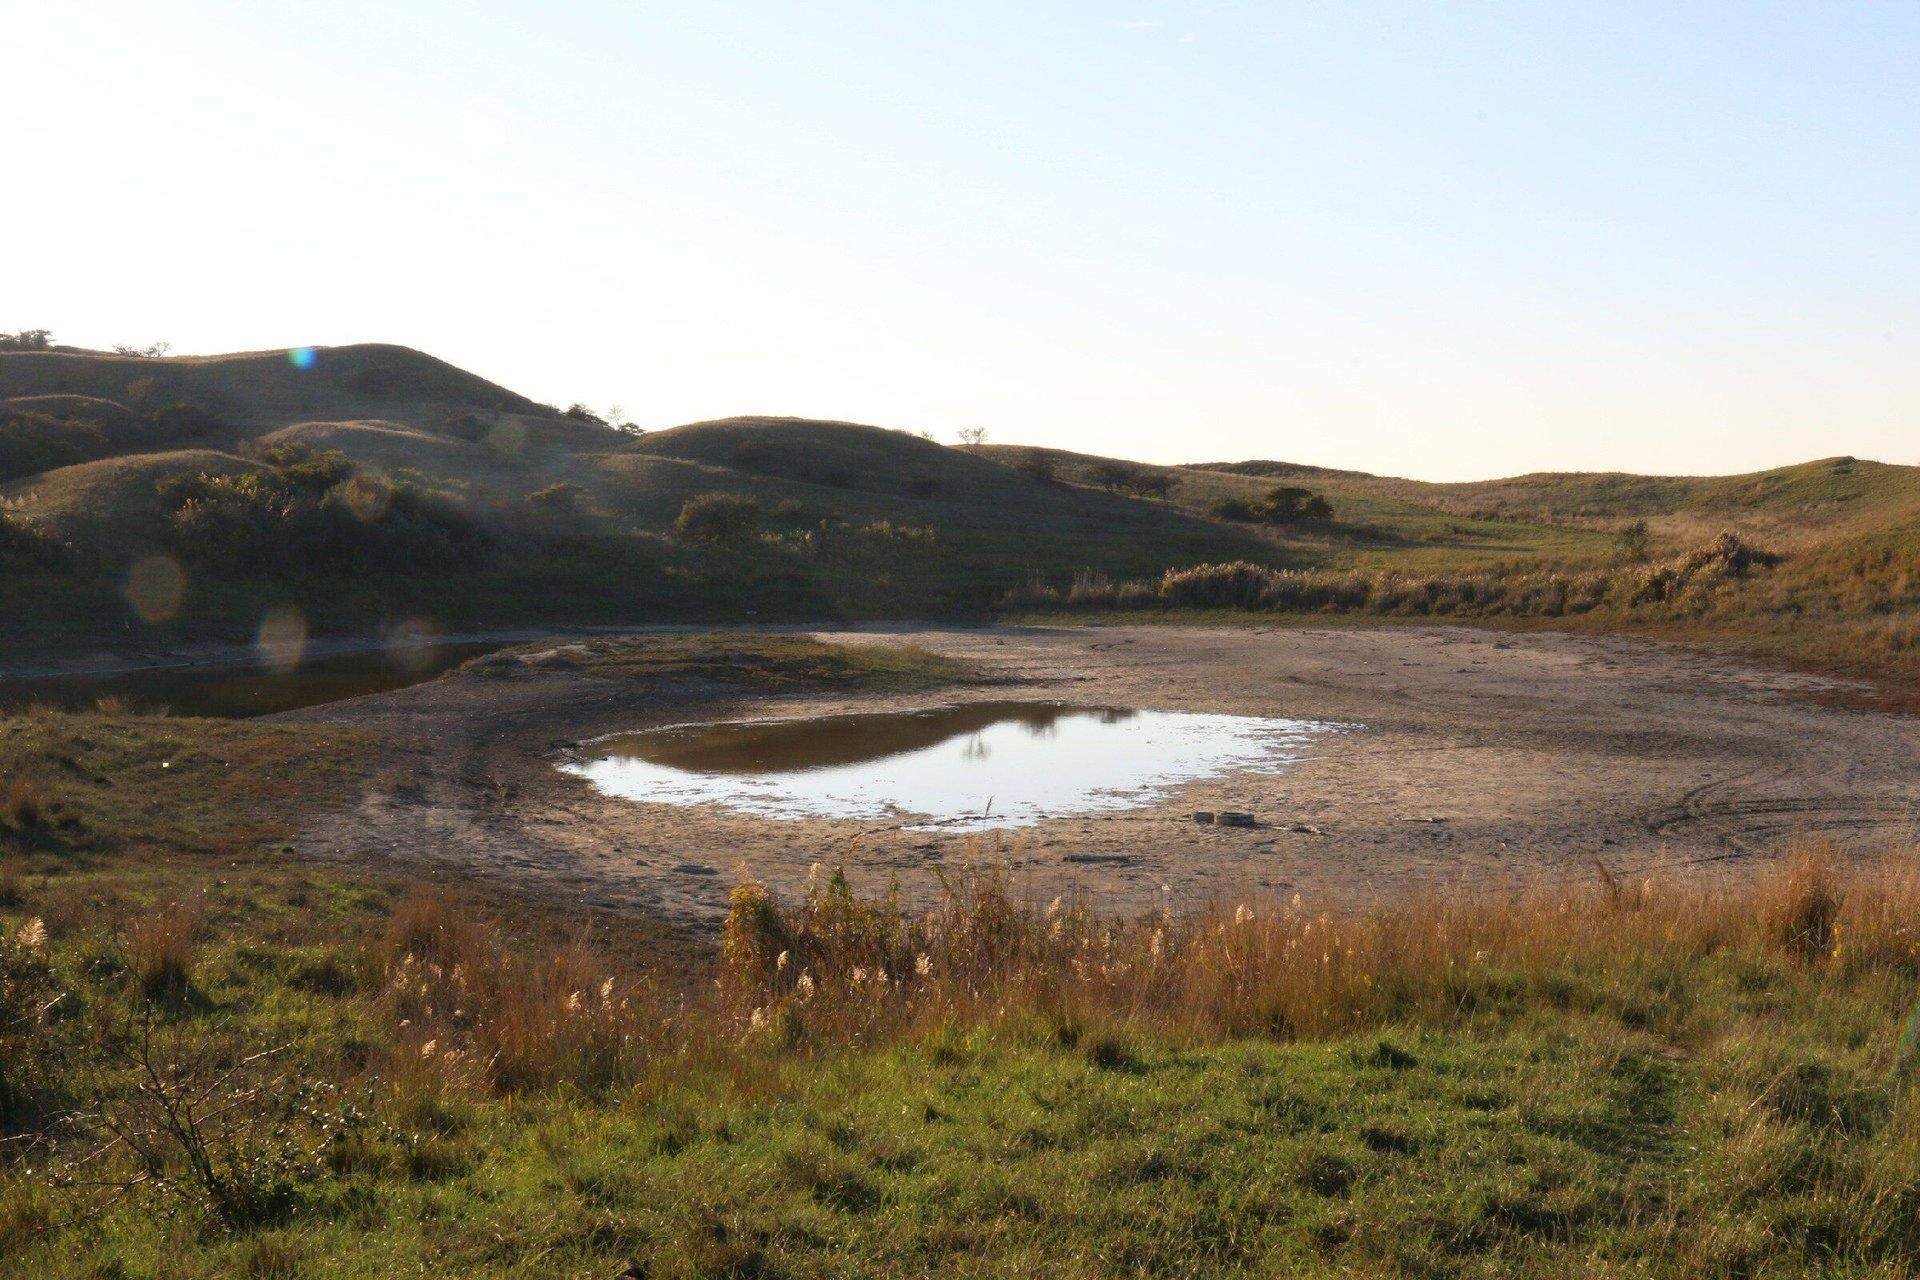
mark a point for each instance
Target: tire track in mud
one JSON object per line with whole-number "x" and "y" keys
{"x": 1794, "y": 794}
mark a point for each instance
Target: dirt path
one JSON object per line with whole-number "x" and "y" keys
{"x": 1478, "y": 759}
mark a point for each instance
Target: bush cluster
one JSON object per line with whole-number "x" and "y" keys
{"x": 715, "y": 517}
{"x": 1687, "y": 583}
{"x": 315, "y": 511}
{"x": 34, "y": 442}
{"x": 29, "y": 997}
{"x": 25, "y": 547}
{"x": 1127, "y": 477}
{"x": 561, "y": 498}
{"x": 1281, "y": 505}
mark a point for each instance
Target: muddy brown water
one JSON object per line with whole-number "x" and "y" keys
{"x": 240, "y": 692}
{"x": 973, "y": 766}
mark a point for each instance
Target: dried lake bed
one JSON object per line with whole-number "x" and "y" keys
{"x": 1468, "y": 759}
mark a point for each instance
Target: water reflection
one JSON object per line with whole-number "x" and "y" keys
{"x": 240, "y": 692}
{"x": 947, "y": 765}
{"x": 792, "y": 746}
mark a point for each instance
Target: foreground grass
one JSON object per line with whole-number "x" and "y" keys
{"x": 1662, "y": 1080}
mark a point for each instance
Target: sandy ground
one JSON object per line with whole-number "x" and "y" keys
{"x": 1476, "y": 760}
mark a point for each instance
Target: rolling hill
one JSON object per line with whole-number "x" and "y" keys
{"x": 335, "y": 481}
{"x": 260, "y": 388}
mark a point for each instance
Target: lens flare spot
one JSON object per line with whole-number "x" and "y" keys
{"x": 283, "y": 640}
{"x": 413, "y": 644}
{"x": 507, "y": 438}
{"x": 155, "y": 588}
{"x": 302, "y": 357}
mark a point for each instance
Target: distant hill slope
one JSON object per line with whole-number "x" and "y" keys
{"x": 1797, "y": 504}
{"x": 263, "y": 388}
{"x": 1376, "y": 521}
{"x": 843, "y": 455}
{"x": 1270, "y": 469}
{"x": 1838, "y": 488}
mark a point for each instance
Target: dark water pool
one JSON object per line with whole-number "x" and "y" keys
{"x": 968, "y": 766}
{"x": 239, "y": 692}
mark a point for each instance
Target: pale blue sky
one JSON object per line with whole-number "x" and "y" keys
{"x": 1447, "y": 241}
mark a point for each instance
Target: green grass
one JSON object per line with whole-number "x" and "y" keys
{"x": 1720, "y": 1113}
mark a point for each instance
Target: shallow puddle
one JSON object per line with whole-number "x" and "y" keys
{"x": 239, "y": 692}
{"x": 966, "y": 767}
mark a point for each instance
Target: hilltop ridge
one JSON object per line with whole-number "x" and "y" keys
{"x": 258, "y": 388}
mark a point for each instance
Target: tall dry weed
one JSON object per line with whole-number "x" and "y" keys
{"x": 24, "y": 802}
{"x": 1799, "y": 904}
{"x": 162, "y": 945}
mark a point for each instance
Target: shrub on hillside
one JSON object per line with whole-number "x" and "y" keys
{"x": 29, "y": 995}
{"x": 561, "y": 498}
{"x": 713, "y": 517}
{"x": 315, "y": 512}
{"x": 25, "y": 547}
{"x": 27, "y": 340}
{"x": 1127, "y": 477}
{"x": 180, "y": 421}
{"x": 1037, "y": 463}
{"x": 1635, "y": 540}
{"x": 152, "y": 351}
{"x": 1281, "y": 505}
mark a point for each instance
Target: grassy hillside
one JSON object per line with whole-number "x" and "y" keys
{"x": 563, "y": 518}
{"x": 1373, "y": 523}
{"x": 483, "y": 508}
{"x": 1807, "y": 501}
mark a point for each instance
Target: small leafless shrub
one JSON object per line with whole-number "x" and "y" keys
{"x": 204, "y": 1130}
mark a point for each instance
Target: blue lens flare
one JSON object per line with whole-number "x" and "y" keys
{"x": 303, "y": 357}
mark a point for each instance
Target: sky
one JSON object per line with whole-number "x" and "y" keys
{"x": 1447, "y": 241}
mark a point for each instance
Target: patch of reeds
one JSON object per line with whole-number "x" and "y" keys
{"x": 1287, "y": 969}
{"x": 834, "y": 967}
{"x": 474, "y": 1007}
{"x": 479, "y": 1005}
